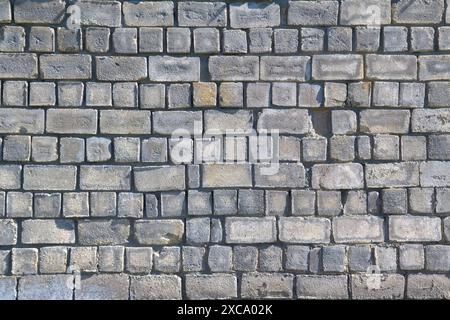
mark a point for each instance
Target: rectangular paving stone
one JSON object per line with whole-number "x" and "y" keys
{"x": 250, "y": 230}
{"x": 72, "y": 121}
{"x": 18, "y": 65}
{"x": 65, "y": 66}
{"x": 337, "y": 67}
{"x": 159, "y": 178}
{"x": 233, "y": 68}
{"x": 173, "y": 69}
{"x": 49, "y": 177}
{"x": 48, "y": 232}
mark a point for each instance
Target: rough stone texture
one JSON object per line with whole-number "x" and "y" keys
{"x": 215, "y": 149}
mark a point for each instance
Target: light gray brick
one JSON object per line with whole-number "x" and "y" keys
{"x": 8, "y": 234}
{"x": 116, "y": 68}
{"x": 159, "y": 232}
{"x": 49, "y": 177}
{"x": 226, "y": 175}
{"x": 414, "y": 229}
{"x": 427, "y": 286}
{"x": 366, "y": 12}
{"x": 254, "y": 15}
{"x": 213, "y": 286}
{"x": 150, "y": 40}
{"x": 103, "y": 232}
{"x": 103, "y": 287}
{"x": 391, "y": 67}
{"x": 402, "y": 174}
{"x": 267, "y": 286}
{"x": 97, "y": 39}
{"x": 233, "y": 68}
{"x": 33, "y": 11}
{"x": 260, "y": 40}
{"x": 173, "y": 69}
{"x": 250, "y": 230}
{"x": 103, "y": 14}
{"x": 65, "y": 66}
{"x": 322, "y": 287}
{"x": 125, "y": 122}
{"x": 159, "y": 178}
{"x": 385, "y": 121}
{"x": 48, "y": 232}
{"x": 418, "y": 12}
{"x": 304, "y": 230}
{"x": 53, "y": 260}
{"x": 358, "y": 229}
{"x": 107, "y": 177}
{"x": 313, "y": 13}
{"x": 287, "y": 68}
{"x": 45, "y": 287}
{"x": 202, "y": 14}
{"x": 76, "y": 121}
{"x": 111, "y": 258}
{"x": 148, "y": 13}
{"x": 337, "y": 67}
{"x": 41, "y": 39}
{"x": 392, "y": 286}
{"x": 155, "y": 287}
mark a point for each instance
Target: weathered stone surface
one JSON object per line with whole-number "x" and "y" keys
{"x": 45, "y": 287}
{"x": 21, "y": 121}
{"x": 202, "y": 14}
{"x": 384, "y": 121}
{"x": 159, "y": 178}
{"x": 18, "y": 65}
{"x": 402, "y": 174}
{"x": 105, "y": 177}
{"x": 418, "y": 12}
{"x": 103, "y": 287}
{"x": 148, "y": 13}
{"x": 250, "y": 230}
{"x": 233, "y": 68}
{"x": 391, "y": 67}
{"x": 392, "y": 286}
{"x": 10, "y": 177}
{"x": 434, "y": 174}
{"x": 100, "y": 13}
{"x": 267, "y": 286}
{"x": 49, "y": 177}
{"x": 254, "y": 15}
{"x": 290, "y": 175}
{"x": 155, "y": 287}
{"x": 172, "y": 69}
{"x": 75, "y": 121}
{"x": 223, "y": 121}
{"x": 285, "y": 121}
{"x": 358, "y": 229}
{"x": 48, "y": 231}
{"x": 322, "y": 287}
{"x": 65, "y": 66}
{"x": 177, "y": 122}
{"x": 313, "y": 13}
{"x": 226, "y": 175}
{"x": 434, "y": 67}
{"x": 428, "y": 286}
{"x": 125, "y": 122}
{"x": 34, "y": 11}
{"x": 414, "y": 229}
{"x": 121, "y": 68}
{"x": 304, "y": 230}
{"x": 8, "y": 232}
{"x": 365, "y": 12}
{"x": 337, "y": 176}
{"x": 337, "y": 67}
{"x": 214, "y": 286}
{"x": 159, "y": 232}
{"x": 430, "y": 120}
{"x": 103, "y": 232}
{"x": 285, "y": 68}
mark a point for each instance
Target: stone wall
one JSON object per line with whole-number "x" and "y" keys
{"x": 133, "y": 155}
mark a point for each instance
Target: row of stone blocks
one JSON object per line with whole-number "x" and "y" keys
{"x": 250, "y": 230}
{"x": 223, "y": 286}
{"x": 241, "y": 15}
